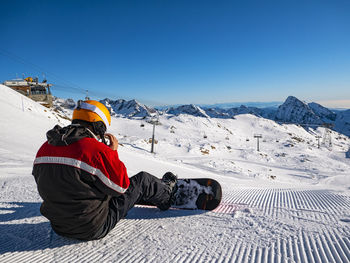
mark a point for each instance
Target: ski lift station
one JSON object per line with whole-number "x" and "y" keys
{"x": 32, "y": 88}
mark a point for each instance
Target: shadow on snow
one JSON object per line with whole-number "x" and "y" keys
{"x": 29, "y": 236}
{"x": 26, "y": 235}
{"x": 151, "y": 212}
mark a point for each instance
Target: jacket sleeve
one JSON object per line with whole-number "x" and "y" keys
{"x": 113, "y": 174}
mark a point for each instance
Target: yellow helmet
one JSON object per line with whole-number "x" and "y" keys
{"x": 92, "y": 111}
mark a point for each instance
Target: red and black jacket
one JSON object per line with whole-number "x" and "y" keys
{"x": 76, "y": 176}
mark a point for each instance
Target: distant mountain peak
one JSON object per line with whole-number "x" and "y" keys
{"x": 190, "y": 109}
{"x": 294, "y": 100}
{"x": 294, "y": 110}
{"x": 131, "y": 108}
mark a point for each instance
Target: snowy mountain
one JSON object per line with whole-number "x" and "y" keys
{"x": 231, "y": 112}
{"x": 128, "y": 109}
{"x": 64, "y": 107}
{"x": 326, "y": 115}
{"x": 64, "y": 103}
{"x": 342, "y": 122}
{"x": 273, "y": 104}
{"x": 188, "y": 109}
{"x": 217, "y": 112}
{"x": 289, "y": 202}
{"x": 296, "y": 111}
{"x": 266, "y": 112}
{"x": 292, "y": 110}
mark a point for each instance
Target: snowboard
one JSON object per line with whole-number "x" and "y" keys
{"x": 198, "y": 193}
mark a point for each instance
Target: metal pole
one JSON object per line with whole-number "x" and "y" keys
{"x": 154, "y": 127}
{"x": 257, "y": 136}
{"x": 318, "y": 141}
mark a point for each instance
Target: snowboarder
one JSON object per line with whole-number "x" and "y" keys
{"x": 84, "y": 186}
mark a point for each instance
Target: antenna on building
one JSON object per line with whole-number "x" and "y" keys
{"x": 87, "y": 95}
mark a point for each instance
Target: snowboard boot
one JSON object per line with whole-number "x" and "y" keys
{"x": 171, "y": 181}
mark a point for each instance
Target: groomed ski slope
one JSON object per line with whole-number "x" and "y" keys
{"x": 302, "y": 215}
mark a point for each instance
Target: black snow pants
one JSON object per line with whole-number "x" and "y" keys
{"x": 144, "y": 189}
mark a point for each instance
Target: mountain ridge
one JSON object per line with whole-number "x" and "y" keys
{"x": 292, "y": 110}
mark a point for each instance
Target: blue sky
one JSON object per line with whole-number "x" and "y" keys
{"x": 178, "y": 52}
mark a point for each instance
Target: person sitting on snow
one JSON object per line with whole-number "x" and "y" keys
{"x": 84, "y": 186}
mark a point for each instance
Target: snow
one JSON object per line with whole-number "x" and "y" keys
{"x": 290, "y": 202}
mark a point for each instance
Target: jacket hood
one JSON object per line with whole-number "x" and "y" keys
{"x": 59, "y": 136}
